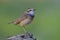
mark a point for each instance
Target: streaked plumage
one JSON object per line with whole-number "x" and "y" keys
{"x": 26, "y": 18}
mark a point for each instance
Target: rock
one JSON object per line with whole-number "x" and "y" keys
{"x": 27, "y": 36}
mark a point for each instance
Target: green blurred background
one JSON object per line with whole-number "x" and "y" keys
{"x": 46, "y": 25}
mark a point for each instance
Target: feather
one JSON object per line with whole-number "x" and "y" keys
{"x": 17, "y": 21}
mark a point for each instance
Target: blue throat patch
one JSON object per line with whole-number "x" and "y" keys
{"x": 31, "y": 15}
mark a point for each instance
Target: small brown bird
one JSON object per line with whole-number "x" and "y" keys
{"x": 25, "y": 19}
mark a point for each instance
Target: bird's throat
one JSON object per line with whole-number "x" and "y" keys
{"x": 31, "y": 15}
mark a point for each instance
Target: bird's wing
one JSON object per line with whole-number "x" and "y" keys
{"x": 17, "y": 21}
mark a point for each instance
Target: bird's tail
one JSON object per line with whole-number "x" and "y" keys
{"x": 14, "y": 22}
{"x": 11, "y": 22}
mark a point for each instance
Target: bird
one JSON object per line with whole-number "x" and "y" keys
{"x": 25, "y": 19}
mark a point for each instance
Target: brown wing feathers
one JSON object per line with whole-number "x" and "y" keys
{"x": 17, "y": 21}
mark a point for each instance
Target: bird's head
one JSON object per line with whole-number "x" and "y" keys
{"x": 30, "y": 11}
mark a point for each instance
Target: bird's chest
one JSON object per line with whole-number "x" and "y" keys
{"x": 25, "y": 22}
{"x": 30, "y": 17}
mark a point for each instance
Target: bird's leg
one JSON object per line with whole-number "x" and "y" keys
{"x": 24, "y": 29}
{"x": 25, "y": 32}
